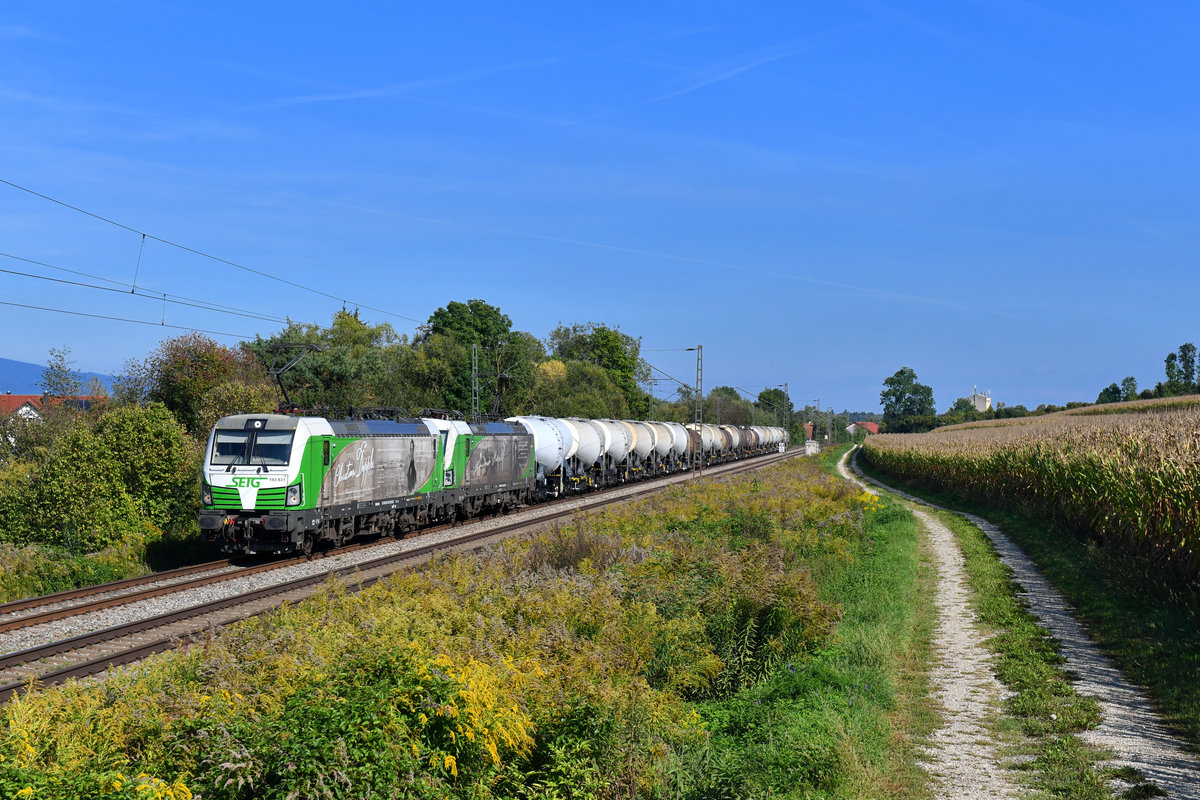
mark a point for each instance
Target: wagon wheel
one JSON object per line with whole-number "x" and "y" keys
{"x": 306, "y": 545}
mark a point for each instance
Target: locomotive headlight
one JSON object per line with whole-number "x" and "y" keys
{"x": 206, "y": 495}
{"x": 294, "y": 495}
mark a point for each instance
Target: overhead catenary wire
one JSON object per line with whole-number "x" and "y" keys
{"x": 672, "y": 377}
{"x": 125, "y": 319}
{"x": 203, "y": 254}
{"x": 157, "y": 296}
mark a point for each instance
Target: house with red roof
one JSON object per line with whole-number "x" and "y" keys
{"x": 28, "y": 406}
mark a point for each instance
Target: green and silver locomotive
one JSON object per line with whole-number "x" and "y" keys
{"x": 275, "y": 483}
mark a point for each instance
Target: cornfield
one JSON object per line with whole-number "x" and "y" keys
{"x": 1129, "y": 479}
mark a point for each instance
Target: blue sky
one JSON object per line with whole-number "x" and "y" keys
{"x": 1001, "y": 194}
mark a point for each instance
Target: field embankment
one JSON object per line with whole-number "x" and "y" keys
{"x": 754, "y": 635}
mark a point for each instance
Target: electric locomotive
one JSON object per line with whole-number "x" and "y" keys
{"x": 275, "y": 483}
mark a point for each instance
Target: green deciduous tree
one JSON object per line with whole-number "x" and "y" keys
{"x": 59, "y": 380}
{"x": 776, "y": 404}
{"x": 1187, "y": 365}
{"x": 575, "y": 389}
{"x": 345, "y": 372}
{"x": 617, "y": 353}
{"x": 193, "y": 376}
{"x": 725, "y": 406}
{"x": 507, "y": 358}
{"x": 130, "y": 474}
{"x": 1110, "y": 394}
{"x": 903, "y": 396}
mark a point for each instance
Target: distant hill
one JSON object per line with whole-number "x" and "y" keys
{"x": 20, "y": 377}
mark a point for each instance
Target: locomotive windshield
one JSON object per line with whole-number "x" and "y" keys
{"x": 242, "y": 447}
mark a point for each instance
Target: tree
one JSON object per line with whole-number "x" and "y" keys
{"x": 507, "y": 358}
{"x": 58, "y": 379}
{"x": 903, "y": 396}
{"x": 1174, "y": 375}
{"x": 615, "y": 352}
{"x": 725, "y": 406}
{"x": 473, "y": 322}
{"x": 1129, "y": 389}
{"x": 962, "y": 405}
{"x": 575, "y": 389}
{"x": 345, "y": 373}
{"x": 131, "y": 474}
{"x": 1187, "y": 366}
{"x": 1111, "y": 394}
{"x": 776, "y": 403}
{"x": 184, "y": 372}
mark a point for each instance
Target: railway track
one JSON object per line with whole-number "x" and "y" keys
{"x": 95, "y": 651}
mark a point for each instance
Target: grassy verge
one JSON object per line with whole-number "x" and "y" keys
{"x": 34, "y": 570}
{"x": 848, "y": 721}
{"x": 1154, "y": 637}
{"x": 762, "y": 635}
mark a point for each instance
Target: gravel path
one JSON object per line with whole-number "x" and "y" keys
{"x": 1129, "y": 727}
{"x": 964, "y": 758}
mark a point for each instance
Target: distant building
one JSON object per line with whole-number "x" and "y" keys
{"x": 855, "y": 427}
{"x": 981, "y": 402}
{"x": 33, "y": 406}
{"x": 808, "y": 430}
{"x": 28, "y": 406}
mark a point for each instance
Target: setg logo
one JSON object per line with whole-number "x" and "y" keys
{"x": 247, "y": 482}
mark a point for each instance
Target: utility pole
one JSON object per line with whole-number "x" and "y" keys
{"x": 475, "y": 382}
{"x": 788, "y": 395}
{"x": 697, "y": 454}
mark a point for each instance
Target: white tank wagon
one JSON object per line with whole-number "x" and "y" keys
{"x": 662, "y": 445}
{"x": 587, "y": 454}
{"x": 621, "y": 440}
{"x": 646, "y": 439}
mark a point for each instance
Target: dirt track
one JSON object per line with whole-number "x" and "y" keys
{"x": 1129, "y": 728}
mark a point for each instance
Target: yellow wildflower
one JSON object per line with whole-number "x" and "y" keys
{"x": 25, "y": 793}
{"x": 451, "y": 765}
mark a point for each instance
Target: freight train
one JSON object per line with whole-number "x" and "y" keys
{"x": 281, "y": 483}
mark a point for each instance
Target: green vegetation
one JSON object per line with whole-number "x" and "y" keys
{"x": 907, "y": 404}
{"x": 1150, "y": 630}
{"x": 742, "y": 637}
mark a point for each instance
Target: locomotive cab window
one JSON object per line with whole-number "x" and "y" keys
{"x": 272, "y": 448}
{"x": 230, "y": 447}
{"x": 242, "y": 447}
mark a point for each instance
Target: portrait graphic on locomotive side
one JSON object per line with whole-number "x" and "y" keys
{"x": 498, "y": 460}
{"x": 379, "y": 468}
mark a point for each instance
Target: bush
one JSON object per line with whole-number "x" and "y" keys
{"x": 132, "y": 474}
